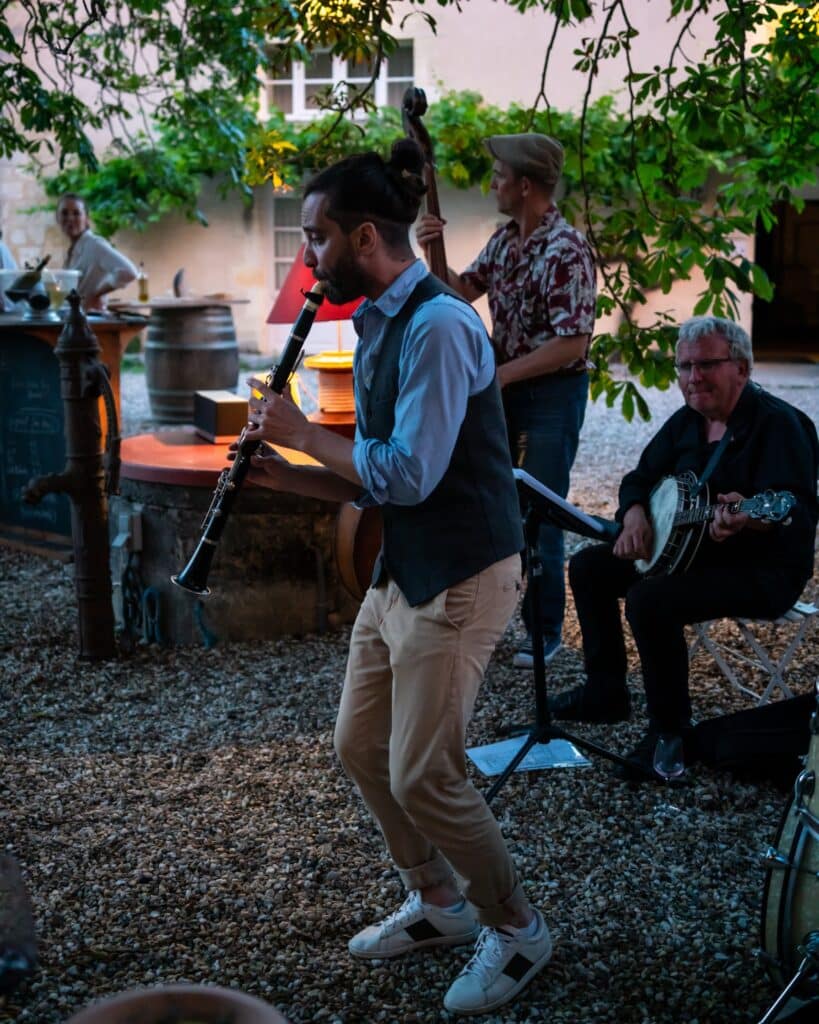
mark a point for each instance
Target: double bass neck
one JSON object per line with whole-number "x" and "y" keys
{"x": 413, "y": 107}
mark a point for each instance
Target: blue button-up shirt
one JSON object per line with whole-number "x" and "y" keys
{"x": 445, "y": 358}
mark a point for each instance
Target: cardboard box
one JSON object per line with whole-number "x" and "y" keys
{"x": 219, "y": 416}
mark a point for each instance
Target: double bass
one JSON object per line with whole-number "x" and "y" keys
{"x": 413, "y": 108}
{"x": 358, "y": 531}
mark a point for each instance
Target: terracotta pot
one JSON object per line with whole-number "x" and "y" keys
{"x": 169, "y": 1003}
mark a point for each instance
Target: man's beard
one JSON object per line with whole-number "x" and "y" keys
{"x": 344, "y": 282}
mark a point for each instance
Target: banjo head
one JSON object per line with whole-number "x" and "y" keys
{"x": 664, "y": 507}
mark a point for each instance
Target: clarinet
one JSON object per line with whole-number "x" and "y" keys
{"x": 194, "y": 577}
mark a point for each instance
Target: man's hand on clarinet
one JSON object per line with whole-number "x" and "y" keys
{"x": 267, "y": 467}
{"x": 637, "y": 537}
{"x": 275, "y": 418}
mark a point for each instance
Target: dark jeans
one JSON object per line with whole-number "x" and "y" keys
{"x": 657, "y": 609}
{"x": 543, "y": 419}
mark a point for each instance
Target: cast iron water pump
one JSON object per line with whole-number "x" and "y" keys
{"x": 88, "y": 477}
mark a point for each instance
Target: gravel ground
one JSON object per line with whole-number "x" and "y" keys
{"x": 180, "y": 815}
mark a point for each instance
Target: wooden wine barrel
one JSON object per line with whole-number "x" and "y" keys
{"x": 190, "y": 346}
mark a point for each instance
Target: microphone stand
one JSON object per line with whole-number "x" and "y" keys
{"x": 541, "y": 730}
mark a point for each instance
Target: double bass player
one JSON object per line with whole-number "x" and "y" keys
{"x": 538, "y": 273}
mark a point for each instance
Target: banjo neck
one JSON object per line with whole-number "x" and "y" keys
{"x": 705, "y": 513}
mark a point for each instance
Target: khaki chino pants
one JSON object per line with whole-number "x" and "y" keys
{"x": 412, "y": 678}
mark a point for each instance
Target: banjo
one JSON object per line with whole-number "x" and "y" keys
{"x": 680, "y": 513}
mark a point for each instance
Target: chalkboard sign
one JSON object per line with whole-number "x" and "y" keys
{"x": 31, "y": 432}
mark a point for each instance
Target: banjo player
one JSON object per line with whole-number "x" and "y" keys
{"x": 745, "y": 441}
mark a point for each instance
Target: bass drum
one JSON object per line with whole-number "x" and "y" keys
{"x": 790, "y": 901}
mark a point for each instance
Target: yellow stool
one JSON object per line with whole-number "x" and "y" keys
{"x": 335, "y": 380}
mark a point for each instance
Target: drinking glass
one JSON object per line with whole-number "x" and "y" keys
{"x": 669, "y": 762}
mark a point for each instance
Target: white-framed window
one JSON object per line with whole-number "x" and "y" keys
{"x": 293, "y": 88}
{"x": 287, "y": 235}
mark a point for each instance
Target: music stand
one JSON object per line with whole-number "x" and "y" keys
{"x": 543, "y": 505}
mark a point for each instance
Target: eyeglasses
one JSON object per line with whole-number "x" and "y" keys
{"x": 703, "y": 365}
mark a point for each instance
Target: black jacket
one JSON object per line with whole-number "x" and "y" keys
{"x": 773, "y": 445}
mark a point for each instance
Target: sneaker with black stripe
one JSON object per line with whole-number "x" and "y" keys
{"x": 415, "y": 925}
{"x": 503, "y": 965}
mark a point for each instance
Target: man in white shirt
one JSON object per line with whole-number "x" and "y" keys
{"x": 102, "y": 268}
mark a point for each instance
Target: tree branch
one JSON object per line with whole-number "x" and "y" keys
{"x": 541, "y": 94}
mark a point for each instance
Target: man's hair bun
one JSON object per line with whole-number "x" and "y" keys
{"x": 367, "y": 187}
{"x": 406, "y": 155}
{"x": 406, "y": 167}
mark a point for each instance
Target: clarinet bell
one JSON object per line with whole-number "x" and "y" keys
{"x": 194, "y": 577}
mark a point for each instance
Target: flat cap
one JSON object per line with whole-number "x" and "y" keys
{"x": 537, "y": 156}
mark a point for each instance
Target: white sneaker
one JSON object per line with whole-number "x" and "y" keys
{"x": 503, "y": 964}
{"x": 415, "y": 925}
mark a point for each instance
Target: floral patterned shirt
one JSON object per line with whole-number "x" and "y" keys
{"x": 544, "y": 288}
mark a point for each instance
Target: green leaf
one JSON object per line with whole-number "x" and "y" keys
{"x": 628, "y": 404}
{"x": 642, "y": 407}
{"x": 762, "y": 284}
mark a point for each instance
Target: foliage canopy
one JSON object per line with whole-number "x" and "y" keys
{"x": 702, "y": 149}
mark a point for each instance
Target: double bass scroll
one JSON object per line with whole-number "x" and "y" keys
{"x": 413, "y": 108}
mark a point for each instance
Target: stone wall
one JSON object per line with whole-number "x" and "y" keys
{"x": 24, "y": 233}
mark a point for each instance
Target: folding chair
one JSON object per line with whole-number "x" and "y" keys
{"x": 801, "y": 615}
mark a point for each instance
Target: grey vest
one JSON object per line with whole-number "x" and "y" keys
{"x": 472, "y": 518}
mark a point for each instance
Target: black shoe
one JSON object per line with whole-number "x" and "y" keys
{"x": 643, "y": 758}
{"x": 575, "y": 706}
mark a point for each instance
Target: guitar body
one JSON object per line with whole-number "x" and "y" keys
{"x": 674, "y": 546}
{"x": 357, "y": 543}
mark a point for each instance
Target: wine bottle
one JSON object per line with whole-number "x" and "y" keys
{"x": 142, "y": 284}
{"x": 23, "y": 284}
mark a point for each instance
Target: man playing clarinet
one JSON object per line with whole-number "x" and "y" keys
{"x": 538, "y": 274}
{"x": 431, "y": 450}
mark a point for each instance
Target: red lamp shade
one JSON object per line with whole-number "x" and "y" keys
{"x": 290, "y": 299}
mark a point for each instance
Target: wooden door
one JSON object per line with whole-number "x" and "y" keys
{"x": 788, "y": 326}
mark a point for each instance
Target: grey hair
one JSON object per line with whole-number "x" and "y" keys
{"x": 739, "y": 344}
